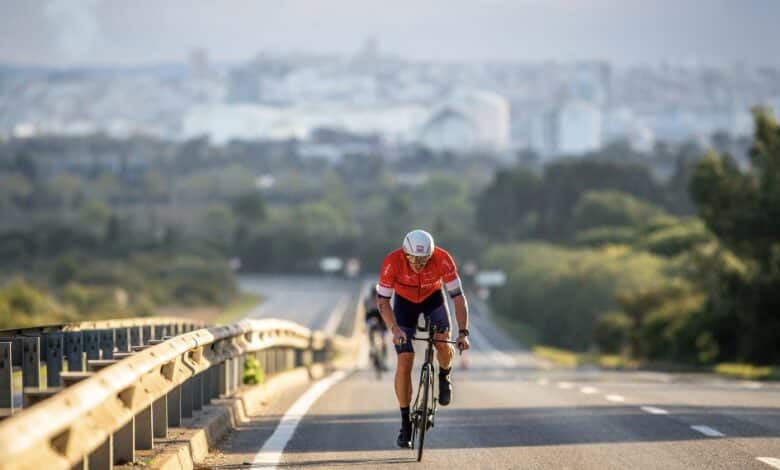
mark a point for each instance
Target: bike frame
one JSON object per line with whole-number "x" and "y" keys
{"x": 422, "y": 419}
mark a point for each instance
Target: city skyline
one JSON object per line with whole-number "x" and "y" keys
{"x": 67, "y": 33}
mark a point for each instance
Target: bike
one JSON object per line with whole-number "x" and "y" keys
{"x": 424, "y": 408}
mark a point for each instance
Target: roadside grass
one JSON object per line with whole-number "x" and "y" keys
{"x": 566, "y": 358}
{"x": 747, "y": 371}
{"x": 238, "y": 308}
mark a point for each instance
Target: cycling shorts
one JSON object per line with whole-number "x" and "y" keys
{"x": 407, "y": 312}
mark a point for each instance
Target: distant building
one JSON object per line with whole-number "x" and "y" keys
{"x": 469, "y": 120}
{"x": 579, "y": 128}
{"x": 198, "y": 62}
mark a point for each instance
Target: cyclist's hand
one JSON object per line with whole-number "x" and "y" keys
{"x": 399, "y": 336}
{"x": 462, "y": 343}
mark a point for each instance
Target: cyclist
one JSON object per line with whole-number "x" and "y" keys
{"x": 415, "y": 273}
{"x": 376, "y": 333}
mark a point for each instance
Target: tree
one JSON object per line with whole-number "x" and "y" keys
{"x": 506, "y": 210}
{"x": 612, "y": 208}
{"x": 742, "y": 208}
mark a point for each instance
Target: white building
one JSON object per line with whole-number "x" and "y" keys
{"x": 468, "y": 120}
{"x": 579, "y": 128}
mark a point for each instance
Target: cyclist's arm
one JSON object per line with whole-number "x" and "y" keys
{"x": 455, "y": 289}
{"x": 383, "y": 304}
{"x": 461, "y": 311}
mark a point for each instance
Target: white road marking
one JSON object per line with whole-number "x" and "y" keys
{"x": 617, "y": 398}
{"x": 708, "y": 431}
{"x": 654, "y": 411}
{"x": 589, "y": 390}
{"x": 751, "y": 384}
{"x": 565, "y": 385}
{"x": 271, "y": 453}
{"x": 542, "y": 381}
{"x": 771, "y": 461}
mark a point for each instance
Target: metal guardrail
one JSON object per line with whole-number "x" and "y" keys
{"x": 104, "y": 416}
{"x": 73, "y": 344}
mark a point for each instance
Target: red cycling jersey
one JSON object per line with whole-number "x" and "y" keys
{"x": 396, "y": 274}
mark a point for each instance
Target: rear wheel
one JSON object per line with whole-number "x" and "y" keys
{"x": 422, "y": 411}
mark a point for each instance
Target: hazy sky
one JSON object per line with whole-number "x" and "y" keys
{"x": 67, "y": 32}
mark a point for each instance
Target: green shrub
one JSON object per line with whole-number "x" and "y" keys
{"x": 599, "y": 236}
{"x": 676, "y": 239}
{"x": 253, "y": 371}
{"x": 611, "y": 332}
{"x": 561, "y": 292}
{"x": 612, "y": 208}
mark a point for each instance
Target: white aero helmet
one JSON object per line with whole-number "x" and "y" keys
{"x": 418, "y": 243}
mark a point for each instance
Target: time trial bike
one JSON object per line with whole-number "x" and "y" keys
{"x": 424, "y": 409}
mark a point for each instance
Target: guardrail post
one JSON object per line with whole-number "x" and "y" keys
{"x": 144, "y": 429}
{"x": 102, "y": 458}
{"x": 160, "y": 331}
{"x": 224, "y": 378}
{"x": 214, "y": 381}
{"x": 92, "y": 344}
{"x": 206, "y": 378}
{"x": 238, "y": 372}
{"x": 122, "y": 337}
{"x": 174, "y": 407}
{"x": 148, "y": 333}
{"x": 160, "y": 417}
{"x": 136, "y": 336}
{"x": 197, "y": 389}
{"x": 6, "y": 376}
{"x": 106, "y": 343}
{"x": 74, "y": 350}
{"x": 186, "y": 398}
{"x": 31, "y": 365}
{"x": 124, "y": 443}
{"x": 279, "y": 359}
{"x": 53, "y": 359}
{"x": 291, "y": 358}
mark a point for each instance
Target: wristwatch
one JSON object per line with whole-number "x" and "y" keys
{"x": 463, "y": 331}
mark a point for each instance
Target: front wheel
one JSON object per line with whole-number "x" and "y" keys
{"x": 422, "y": 411}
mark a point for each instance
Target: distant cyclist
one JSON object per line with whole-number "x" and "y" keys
{"x": 416, "y": 272}
{"x": 376, "y": 333}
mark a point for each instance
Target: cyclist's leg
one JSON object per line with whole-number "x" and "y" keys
{"x": 405, "y": 317}
{"x": 436, "y": 309}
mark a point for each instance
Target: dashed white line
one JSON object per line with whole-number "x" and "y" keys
{"x": 654, "y": 411}
{"x": 616, "y": 398}
{"x": 751, "y": 384}
{"x": 589, "y": 390}
{"x": 565, "y": 385}
{"x": 771, "y": 461}
{"x": 271, "y": 453}
{"x": 708, "y": 431}
{"x": 542, "y": 381}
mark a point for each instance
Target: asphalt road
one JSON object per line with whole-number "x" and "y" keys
{"x": 312, "y": 301}
{"x": 510, "y": 410}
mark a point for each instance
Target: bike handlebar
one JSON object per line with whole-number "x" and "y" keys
{"x": 433, "y": 339}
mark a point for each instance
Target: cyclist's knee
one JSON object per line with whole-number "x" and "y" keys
{"x": 405, "y": 361}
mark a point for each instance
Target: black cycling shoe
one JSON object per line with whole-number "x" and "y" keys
{"x": 405, "y": 436}
{"x": 445, "y": 388}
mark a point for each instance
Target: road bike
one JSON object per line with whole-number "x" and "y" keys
{"x": 424, "y": 408}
